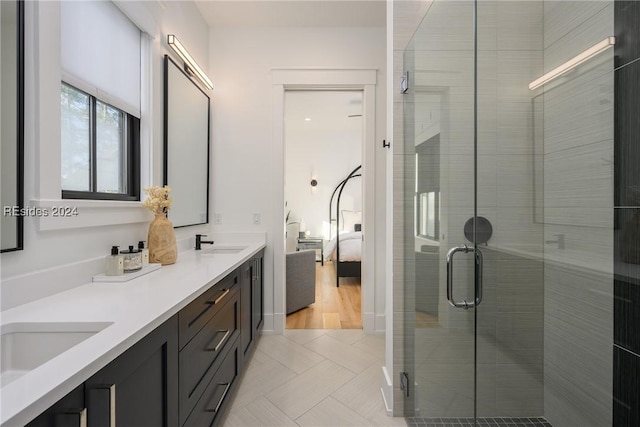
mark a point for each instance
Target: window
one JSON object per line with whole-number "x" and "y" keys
{"x": 100, "y": 98}
{"x": 100, "y": 149}
{"x": 427, "y": 189}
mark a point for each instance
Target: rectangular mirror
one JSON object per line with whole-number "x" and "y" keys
{"x": 186, "y": 146}
{"x": 12, "y": 123}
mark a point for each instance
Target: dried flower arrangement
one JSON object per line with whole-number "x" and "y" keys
{"x": 158, "y": 200}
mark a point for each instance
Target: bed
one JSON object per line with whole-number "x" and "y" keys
{"x": 345, "y": 248}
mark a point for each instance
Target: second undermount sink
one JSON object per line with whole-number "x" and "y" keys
{"x": 223, "y": 250}
{"x": 25, "y": 346}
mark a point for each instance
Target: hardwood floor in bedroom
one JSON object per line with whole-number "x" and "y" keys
{"x": 335, "y": 307}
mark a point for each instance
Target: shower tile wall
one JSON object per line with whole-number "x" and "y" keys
{"x": 578, "y": 186}
{"x": 626, "y": 382}
{"x": 510, "y": 318}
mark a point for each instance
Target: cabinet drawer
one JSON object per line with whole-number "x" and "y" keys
{"x": 194, "y": 316}
{"x": 201, "y": 357}
{"x": 68, "y": 411}
{"x": 217, "y": 392}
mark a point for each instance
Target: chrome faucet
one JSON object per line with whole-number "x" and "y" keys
{"x": 199, "y": 241}
{"x": 559, "y": 241}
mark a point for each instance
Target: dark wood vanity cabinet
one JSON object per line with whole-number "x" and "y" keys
{"x": 205, "y": 354}
{"x": 246, "y": 337}
{"x": 182, "y": 373}
{"x": 68, "y": 411}
{"x": 139, "y": 388}
{"x": 251, "y": 284}
{"x": 257, "y": 292}
{"x": 227, "y": 367}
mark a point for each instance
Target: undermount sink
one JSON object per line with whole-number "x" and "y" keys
{"x": 25, "y": 346}
{"x": 223, "y": 250}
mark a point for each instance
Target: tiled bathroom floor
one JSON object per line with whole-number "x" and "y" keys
{"x": 313, "y": 377}
{"x": 480, "y": 422}
{"x": 326, "y": 378}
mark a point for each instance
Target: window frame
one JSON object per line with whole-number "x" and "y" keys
{"x": 130, "y": 160}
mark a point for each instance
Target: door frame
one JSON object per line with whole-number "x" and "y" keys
{"x": 324, "y": 79}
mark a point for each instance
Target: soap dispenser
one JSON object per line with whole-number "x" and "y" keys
{"x": 144, "y": 252}
{"x": 132, "y": 260}
{"x": 115, "y": 263}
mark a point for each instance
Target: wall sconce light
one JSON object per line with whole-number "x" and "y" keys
{"x": 189, "y": 62}
{"x": 314, "y": 182}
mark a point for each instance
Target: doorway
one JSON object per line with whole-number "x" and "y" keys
{"x": 509, "y": 256}
{"x": 325, "y": 79}
{"x": 323, "y": 134}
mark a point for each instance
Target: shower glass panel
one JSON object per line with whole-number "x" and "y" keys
{"x": 439, "y": 186}
{"x": 520, "y": 323}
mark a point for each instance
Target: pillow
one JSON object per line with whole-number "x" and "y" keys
{"x": 350, "y": 219}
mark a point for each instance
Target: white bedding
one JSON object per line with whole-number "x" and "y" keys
{"x": 350, "y": 247}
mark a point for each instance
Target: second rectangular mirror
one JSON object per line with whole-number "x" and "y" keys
{"x": 186, "y": 154}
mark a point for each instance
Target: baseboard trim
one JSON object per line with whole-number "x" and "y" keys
{"x": 369, "y": 323}
{"x": 387, "y": 391}
{"x": 380, "y": 323}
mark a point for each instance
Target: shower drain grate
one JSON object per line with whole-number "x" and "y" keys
{"x": 480, "y": 422}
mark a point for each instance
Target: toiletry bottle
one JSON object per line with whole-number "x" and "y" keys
{"x": 132, "y": 260}
{"x": 144, "y": 252}
{"x": 115, "y": 263}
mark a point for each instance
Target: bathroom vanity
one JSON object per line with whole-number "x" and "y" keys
{"x": 167, "y": 348}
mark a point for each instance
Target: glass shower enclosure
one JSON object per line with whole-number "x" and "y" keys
{"x": 508, "y": 214}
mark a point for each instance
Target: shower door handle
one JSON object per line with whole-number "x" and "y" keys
{"x": 478, "y": 277}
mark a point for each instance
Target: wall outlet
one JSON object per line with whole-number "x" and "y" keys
{"x": 256, "y": 218}
{"x": 217, "y": 218}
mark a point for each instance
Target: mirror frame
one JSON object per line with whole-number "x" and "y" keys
{"x": 20, "y": 128}
{"x": 165, "y": 161}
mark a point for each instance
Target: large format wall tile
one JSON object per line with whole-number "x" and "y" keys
{"x": 627, "y": 314}
{"x": 562, "y": 17}
{"x": 578, "y": 110}
{"x": 577, "y": 346}
{"x": 627, "y": 136}
{"x": 627, "y": 17}
{"x": 626, "y": 399}
{"x": 591, "y": 31}
{"x": 626, "y": 383}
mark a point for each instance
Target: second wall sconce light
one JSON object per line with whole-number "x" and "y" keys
{"x": 189, "y": 62}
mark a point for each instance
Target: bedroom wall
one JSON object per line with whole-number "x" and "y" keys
{"x": 51, "y": 249}
{"x": 326, "y": 151}
{"x": 241, "y": 60}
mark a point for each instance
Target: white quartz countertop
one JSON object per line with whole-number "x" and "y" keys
{"x": 134, "y": 308}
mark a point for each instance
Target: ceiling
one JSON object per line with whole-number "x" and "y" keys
{"x": 293, "y": 13}
{"x": 326, "y": 111}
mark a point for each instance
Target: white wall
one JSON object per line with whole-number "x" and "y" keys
{"x": 240, "y": 61}
{"x": 331, "y": 156}
{"x": 8, "y": 117}
{"x": 79, "y": 240}
{"x": 328, "y": 149}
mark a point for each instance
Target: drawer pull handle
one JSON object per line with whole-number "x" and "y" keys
{"x": 224, "y": 294}
{"x": 224, "y": 338}
{"x": 80, "y": 413}
{"x": 112, "y": 402}
{"x": 217, "y": 408}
